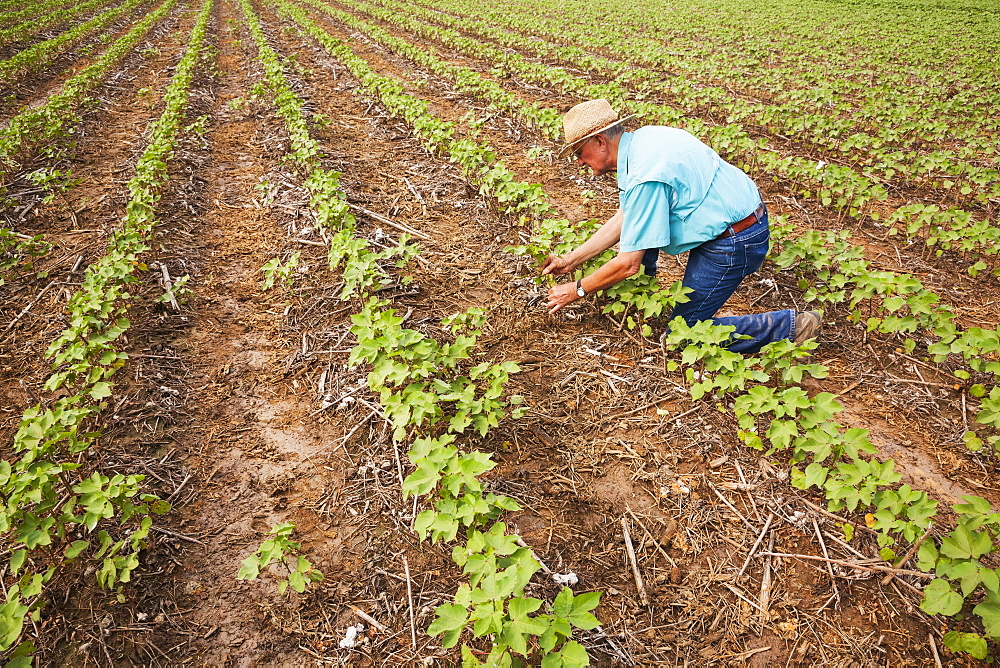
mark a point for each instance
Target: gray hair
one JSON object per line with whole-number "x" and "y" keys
{"x": 615, "y": 130}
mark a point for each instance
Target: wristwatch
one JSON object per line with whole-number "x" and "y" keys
{"x": 580, "y": 292}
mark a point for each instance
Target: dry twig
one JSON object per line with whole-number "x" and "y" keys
{"x": 909, "y": 553}
{"x": 635, "y": 564}
{"x": 763, "y": 532}
{"x": 826, "y": 553}
{"x": 851, "y": 564}
{"x": 409, "y": 597}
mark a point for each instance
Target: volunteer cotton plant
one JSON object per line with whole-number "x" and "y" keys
{"x": 281, "y": 550}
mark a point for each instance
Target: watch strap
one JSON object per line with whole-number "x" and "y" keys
{"x": 580, "y": 292}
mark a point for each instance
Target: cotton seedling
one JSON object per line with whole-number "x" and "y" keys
{"x": 280, "y": 549}
{"x": 278, "y": 272}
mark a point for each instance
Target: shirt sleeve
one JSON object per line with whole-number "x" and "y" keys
{"x": 646, "y": 224}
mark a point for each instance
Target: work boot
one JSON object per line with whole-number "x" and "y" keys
{"x": 807, "y": 326}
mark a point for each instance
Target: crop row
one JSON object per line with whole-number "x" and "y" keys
{"x": 640, "y": 292}
{"x": 823, "y": 130}
{"x": 840, "y": 462}
{"x": 40, "y": 55}
{"x": 13, "y": 5}
{"x": 928, "y": 166}
{"x": 423, "y": 391}
{"x": 32, "y": 10}
{"x": 919, "y": 103}
{"x": 24, "y": 30}
{"x": 18, "y": 251}
{"x": 467, "y": 81}
{"x": 830, "y": 185}
{"x": 59, "y": 115}
{"x": 49, "y": 496}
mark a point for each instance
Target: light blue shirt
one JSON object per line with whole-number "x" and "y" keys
{"x": 676, "y": 192}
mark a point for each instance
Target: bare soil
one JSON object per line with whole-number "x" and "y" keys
{"x": 242, "y": 411}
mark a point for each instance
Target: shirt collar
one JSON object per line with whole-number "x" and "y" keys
{"x": 623, "y": 148}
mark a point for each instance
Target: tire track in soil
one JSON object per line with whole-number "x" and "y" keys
{"x": 236, "y": 441}
{"x": 80, "y": 221}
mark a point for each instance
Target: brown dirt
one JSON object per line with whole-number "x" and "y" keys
{"x": 237, "y": 407}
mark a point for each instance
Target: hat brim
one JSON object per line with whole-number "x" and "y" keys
{"x": 569, "y": 147}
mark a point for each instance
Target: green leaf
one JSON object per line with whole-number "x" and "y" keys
{"x": 579, "y": 616}
{"x": 815, "y": 475}
{"x": 469, "y": 659}
{"x": 17, "y": 560}
{"x": 990, "y": 613}
{"x": 563, "y": 603}
{"x": 940, "y": 599}
{"x": 571, "y": 655}
{"x": 159, "y": 507}
{"x": 100, "y": 390}
{"x": 297, "y": 581}
{"x": 972, "y": 644}
{"x": 973, "y": 504}
{"x": 522, "y": 607}
{"x": 964, "y": 543}
{"x": 450, "y": 617}
{"x": 421, "y": 481}
{"x": 74, "y": 550}
{"x": 250, "y": 568}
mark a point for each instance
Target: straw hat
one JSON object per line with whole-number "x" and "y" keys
{"x": 586, "y": 120}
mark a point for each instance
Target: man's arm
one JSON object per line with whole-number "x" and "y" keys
{"x": 603, "y": 239}
{"x": 612, "y": 272}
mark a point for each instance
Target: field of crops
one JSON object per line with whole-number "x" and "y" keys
{"x": 278, "y": 387}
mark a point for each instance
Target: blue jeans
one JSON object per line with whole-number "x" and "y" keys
{"x": 714, "y": 270}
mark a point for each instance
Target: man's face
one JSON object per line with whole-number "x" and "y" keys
{"x": 596, "y": 152}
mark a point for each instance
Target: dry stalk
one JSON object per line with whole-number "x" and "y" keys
{"x": 731, "y": 506}
{"x": 934, "y": 650}
{"x": 763, "y": 532}
{"x": 826, "y": 553}
{"x": 909, "y": 553}
{"x": 409, "y": 598}
{"x": 851, "y": 564}
{"x": 635, "y": 565}
{"x": 765, "y": 582}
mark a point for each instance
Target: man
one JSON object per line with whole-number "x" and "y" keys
{"x": 676, "y": 195}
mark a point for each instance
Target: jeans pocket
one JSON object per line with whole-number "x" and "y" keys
{"x": 756, "y": 251}
{"x": 721, "y": 252}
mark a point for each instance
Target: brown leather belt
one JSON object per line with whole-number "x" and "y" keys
{"x": 741, "y": 225}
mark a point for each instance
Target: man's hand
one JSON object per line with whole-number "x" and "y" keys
{"x": 555, "y": 264}
{"x": 561, "y": 295}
